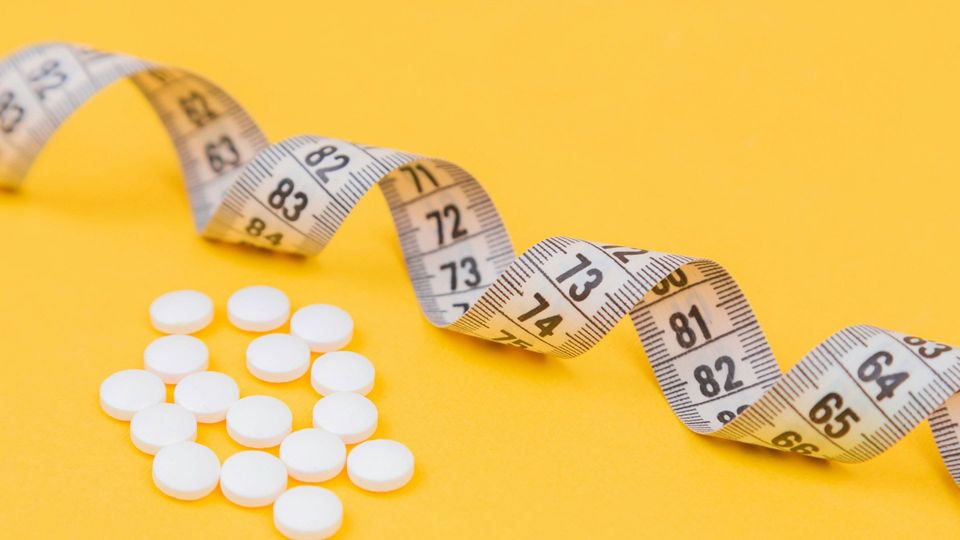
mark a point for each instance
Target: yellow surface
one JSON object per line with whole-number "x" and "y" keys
{"x": 812, "y": 150}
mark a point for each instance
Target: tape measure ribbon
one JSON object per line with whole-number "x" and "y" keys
{"x": 849, "y": 399}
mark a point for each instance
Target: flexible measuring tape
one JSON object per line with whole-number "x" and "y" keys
{"x": 848, "y": 400}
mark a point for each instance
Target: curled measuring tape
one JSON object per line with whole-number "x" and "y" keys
{"x": 848, "y": 400}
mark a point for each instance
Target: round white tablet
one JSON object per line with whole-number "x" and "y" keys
{"x": 186, "y": 470}
{"x": 342, "y": 371}
{"x": 349, "y": 416}
{"x": 126, "y": 392}
{"x": 313, "y": 454}
{"x": 380, "y": 465}
{"x": 253, "y": 478}
{"x": 258, "y": 308}
{"x": 181, "y": 312}
{"x": 259, "y": 421}
{"x": 308, "y": 513}
{"x": 325, "y": 328}
{"x": 161, "y": 425}
{"x": 278, "y": 357}
{"x": 174, "y": 357}
{"x": 207, "y": 394}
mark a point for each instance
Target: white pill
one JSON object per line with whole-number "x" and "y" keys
{"x": 259, "y": 421}
{"x": 325, "y": 328}
{"x": 380, "y": 465}
{"x": 347, "y": 415}
{"x": 253, "y": 478}
{"x": 161, "y": 425}
{"x": 207, "y": 394}
{"x": 181, "y": 312}
{"x": 174, "y": 357}
{"x": 308, "y": 513}
{"x": 126, "y": 392}
{"x": 313, "y": 454}
{"x": 342, "y": 371}
{"x": 186, "y": 470}
{"x": 278, "y": 357}
{"x": 258, "y": 308}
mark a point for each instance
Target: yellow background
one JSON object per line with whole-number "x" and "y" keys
{"x": 811, "y": 149}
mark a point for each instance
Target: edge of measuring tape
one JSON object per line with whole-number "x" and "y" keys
{"x": 849, "y": 399}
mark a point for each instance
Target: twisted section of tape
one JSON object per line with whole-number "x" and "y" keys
{"x": 849, "y": 399}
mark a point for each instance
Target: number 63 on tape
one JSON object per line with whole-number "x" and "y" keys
{"x": 848, "y": 400}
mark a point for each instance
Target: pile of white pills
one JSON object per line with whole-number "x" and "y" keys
{"x": 187, "y": 470}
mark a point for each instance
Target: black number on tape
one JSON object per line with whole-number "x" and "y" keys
{"x": 256, "y": 227}
{"x": 546, "y": 325}
{"x": 709, "y": 386}
{"x": 11, "y": 114}
{"x": 278, "y": 198}
{"x": 467, "y": 263}
{"x": 686, "y": 335}
{"x": 510, "y": 339}
{"x": 676, "y": 279}
{"x": 222, "y": 154}
{"x": 827, "y": 411}
{"x": 195, "y": 106}
{"x": 414, "y": 173}
{"x": 450, "y": 211}
{"x": 793, "y": 441}
{"x": 871, "y": 370}
{"x": 927, "y": 349}
{"x": 315, "y": 158}
{"x": 581, "y": 291}
{"x": 49, "y": 76}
